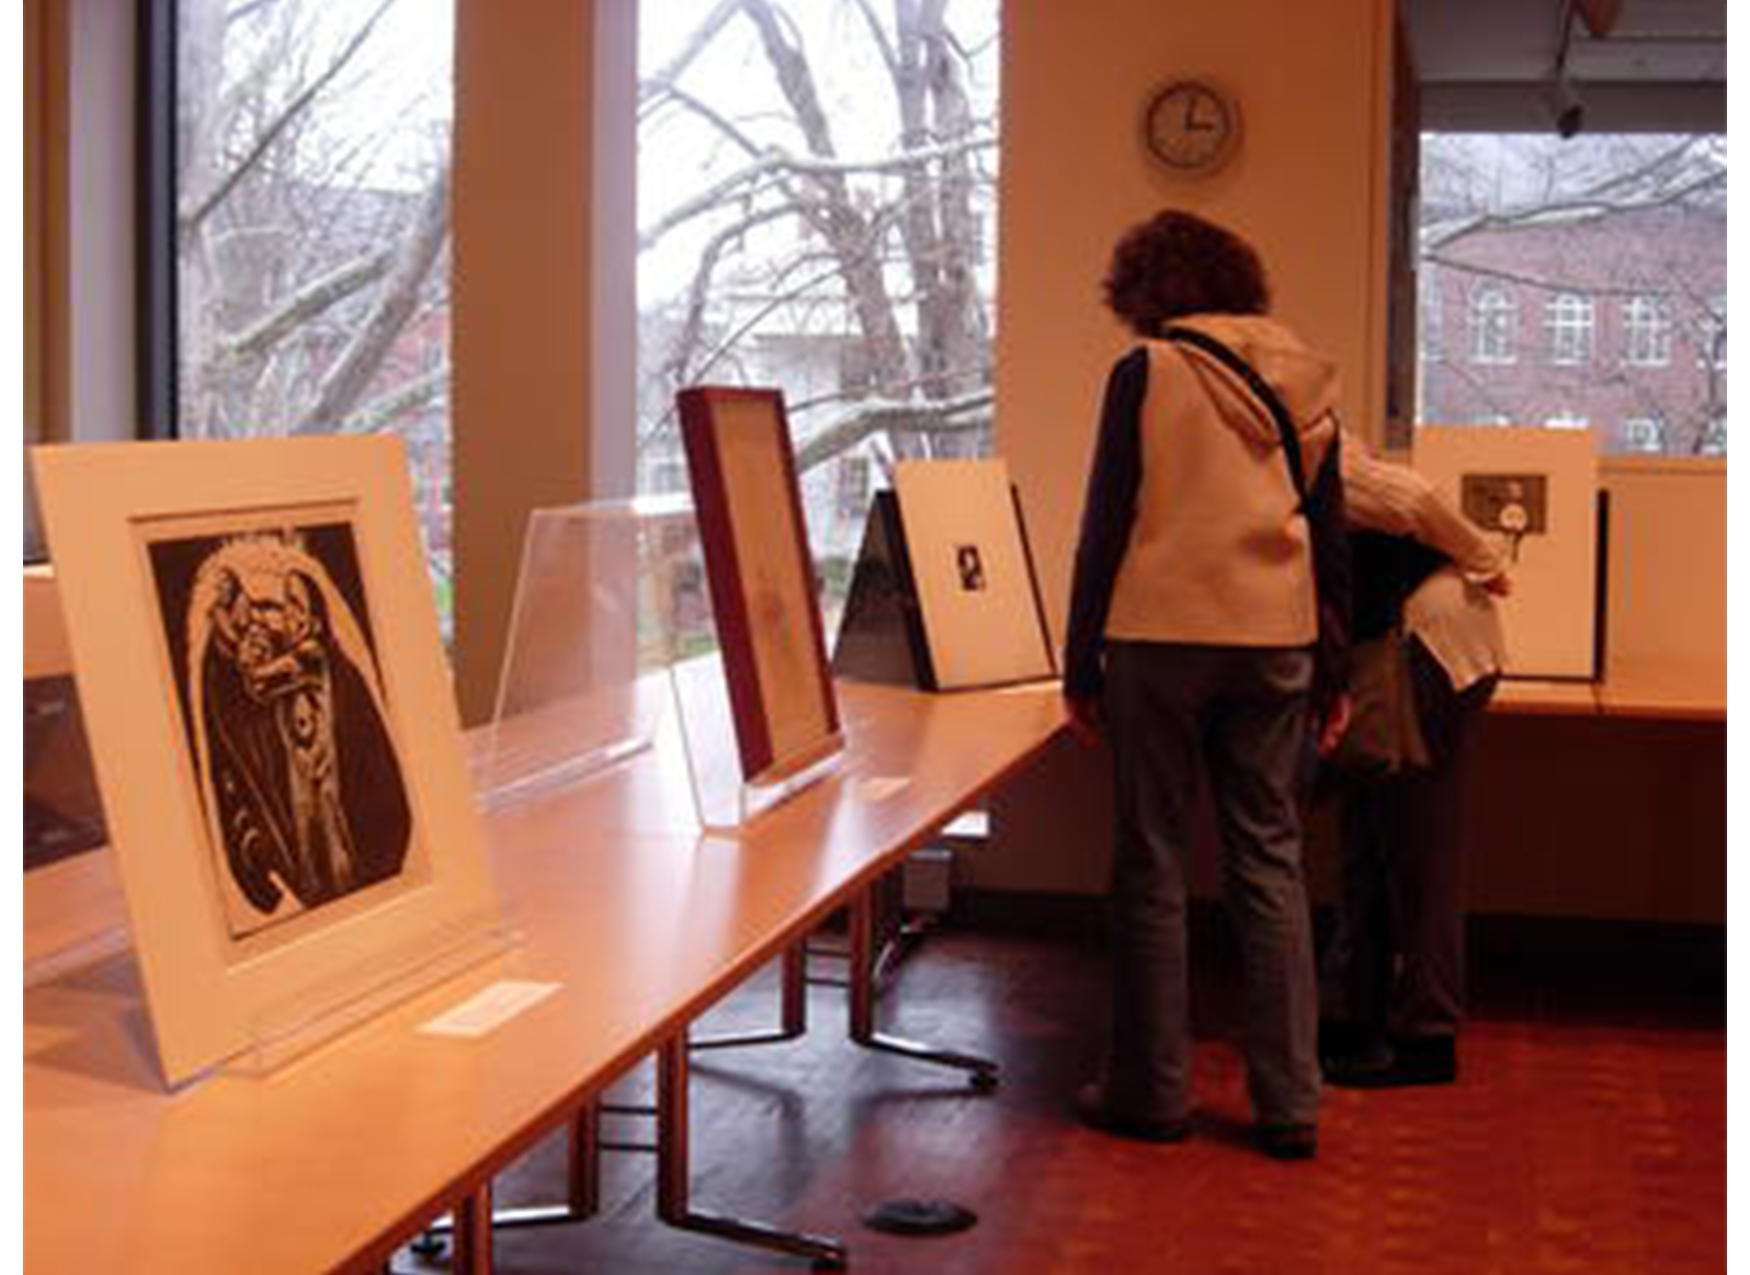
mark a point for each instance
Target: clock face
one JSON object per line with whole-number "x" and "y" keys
{"x": 1192, "y": 126}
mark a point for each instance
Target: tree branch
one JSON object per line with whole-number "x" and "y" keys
{"x": 776, "y": 163}
{"x": 310, "y": 300}
{"x": 351, "y": 374}
{"x": 191, "y": 221}
{"x": 967, "y": 414}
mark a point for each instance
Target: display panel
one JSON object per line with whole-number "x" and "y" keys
{"x": 272, "y": 726}
{"x": 1536, "y": 492}
{"x": 979, "y": 601}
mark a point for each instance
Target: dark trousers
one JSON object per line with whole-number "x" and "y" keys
{"x": 1241, "y": 712}
{"x": 1395, "y": 966}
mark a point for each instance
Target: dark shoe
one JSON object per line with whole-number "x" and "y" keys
{"x": 1338, "y": 1036}
{"x": 1400, "y": 1062}
{"x": 1288, "y": 1141}
{"x": 1094, "y": 1111}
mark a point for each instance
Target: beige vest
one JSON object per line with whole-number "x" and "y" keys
{"x": 1218, "y": 553}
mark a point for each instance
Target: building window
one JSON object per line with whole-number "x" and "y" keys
{"x": 1643, "y": 434}
{"x": 1625, "y": 303}
{"x": 1494, "y": 325}
{"x": 1568, "y": 318}
{"x": 1646, "y": 332}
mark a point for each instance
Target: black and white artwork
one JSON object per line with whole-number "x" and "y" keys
{"x": 268, "y": 635}
{"x": 971, "y": 567}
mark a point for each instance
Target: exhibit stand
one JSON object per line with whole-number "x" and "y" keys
{"x": 612, "y": 627}
{"x": 609, "y": 596}
{"x": 273, "y": 734}
{"x": 944, "y": 595}
{"x": 723, "y": 797}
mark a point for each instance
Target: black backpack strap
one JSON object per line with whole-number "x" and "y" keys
{"x": 1224, "y": 355}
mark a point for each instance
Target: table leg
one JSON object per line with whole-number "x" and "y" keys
{"x": 982, "y": 1072}
{"x": 674, "y": 1175}
{"x": 793, "y": 1006}
{"x": 472, "y": 1254}
{"x": 582, "y": 1189}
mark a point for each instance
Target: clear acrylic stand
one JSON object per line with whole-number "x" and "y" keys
{"x": 609, "y": 595}
{"x": 724, "y": 798}
{"x": 611, "y": 626}
{"x": 282, "y": 1033}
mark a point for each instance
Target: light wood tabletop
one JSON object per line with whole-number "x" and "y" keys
{"x": 337, "y": 1157}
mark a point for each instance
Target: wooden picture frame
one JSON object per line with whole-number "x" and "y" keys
{"x": 761, "y": 576}
{"x": 271, "y": 723}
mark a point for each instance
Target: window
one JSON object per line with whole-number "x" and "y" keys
{"x": 1494, "y": 324}
{"x": 1568, "y": 317}
{"x": 786, "y": 239}
{"x": 1619, "y": 242}
{"x": 1643, "y": 434}
{"x": 303, "y": 279}
{"x": 1646, "y": 332}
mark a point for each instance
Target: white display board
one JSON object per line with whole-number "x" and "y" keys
{"x": 1536, "y": 491}
{"x": 272, "y": 728}
{"x": 973, "y": 573}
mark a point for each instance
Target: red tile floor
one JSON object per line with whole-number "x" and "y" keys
{"x": 1586, "y": 1132}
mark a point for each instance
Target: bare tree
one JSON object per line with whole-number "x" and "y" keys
{"x": 300, "y": 272}
{"x": 794, "y": 228}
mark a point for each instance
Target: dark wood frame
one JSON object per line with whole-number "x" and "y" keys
{"x": 702, "y": 420}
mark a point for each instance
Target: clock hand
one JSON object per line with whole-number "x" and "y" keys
{"x": 1195, "y": 123}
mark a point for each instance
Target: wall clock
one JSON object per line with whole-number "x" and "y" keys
{"x": 1192, "y": 126}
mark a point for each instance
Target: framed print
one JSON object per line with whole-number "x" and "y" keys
{"x": 1536, "y": 491}
{"x": 271, "y": 724}
{"x": 978, "y": 598}
{"x": 761, "y": 579}
{"x": 944, "y": 595}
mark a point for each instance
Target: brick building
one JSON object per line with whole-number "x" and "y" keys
{"x": 1616, "y": 322}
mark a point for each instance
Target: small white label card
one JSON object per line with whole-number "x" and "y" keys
{"x": 489, "y": 1008}
{"x": 880, "y": 787}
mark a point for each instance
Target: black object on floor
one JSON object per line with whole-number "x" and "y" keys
{"x": 920, "y": 1217}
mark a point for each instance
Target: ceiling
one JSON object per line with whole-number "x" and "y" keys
{"x": 1657, "y": 65}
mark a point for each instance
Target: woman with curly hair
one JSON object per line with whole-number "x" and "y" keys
{"x": 1208, "y": 628}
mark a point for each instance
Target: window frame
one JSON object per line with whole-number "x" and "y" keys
{"x": 1494, "y": 325}
{"x": 1647, "y": 328}
{"x": 1570, "y": 320}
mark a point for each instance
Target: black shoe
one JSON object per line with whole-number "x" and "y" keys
{"x": 1288, "y": 1141}
{"x": 1338, "y": 1036}
{"x": 1094, "y": 1111}
{"x": 1402, "y": 1061}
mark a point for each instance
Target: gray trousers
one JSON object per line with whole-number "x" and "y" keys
{"x": 1242, "y": 712}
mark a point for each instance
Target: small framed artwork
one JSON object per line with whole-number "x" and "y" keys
{"x": 271, "y": 723}
{"x": 761, "y": 579}
{"x": 944, "y": 595}
{"x": 1535, "y": 491}
{"x": 978, "y": 596}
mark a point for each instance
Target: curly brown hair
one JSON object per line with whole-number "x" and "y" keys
{"x": 1175, "y": 264}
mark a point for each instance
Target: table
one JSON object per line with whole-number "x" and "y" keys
{"x": 339, "y": 1157}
